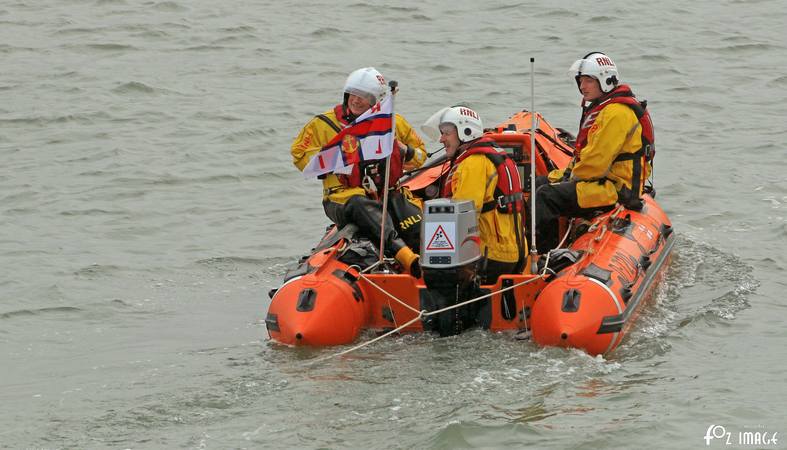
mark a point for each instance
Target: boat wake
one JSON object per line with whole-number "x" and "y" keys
{"x": 703, "y": 286}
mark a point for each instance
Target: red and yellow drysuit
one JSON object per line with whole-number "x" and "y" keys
{"x": 475, "y": 177}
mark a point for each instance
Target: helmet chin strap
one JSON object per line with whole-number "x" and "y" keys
{"x": 346, "y": 107}
{"x": 462, "y": 147}
{"x": 348, "y": 115}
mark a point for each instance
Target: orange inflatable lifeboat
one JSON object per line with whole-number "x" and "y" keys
{"x": 584, "y": 296}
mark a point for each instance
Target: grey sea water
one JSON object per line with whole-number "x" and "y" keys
{"x": 148, "y": 203}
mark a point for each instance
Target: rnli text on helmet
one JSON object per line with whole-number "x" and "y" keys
{"x": 604, "y": 61}
{"x": 468, "y": 112}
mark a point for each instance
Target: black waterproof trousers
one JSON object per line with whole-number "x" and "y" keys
{"x": 367, "y": 215}
{"x": 552, "y": 202}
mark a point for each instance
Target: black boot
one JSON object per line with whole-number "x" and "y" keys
{"x": 367, "y": 215}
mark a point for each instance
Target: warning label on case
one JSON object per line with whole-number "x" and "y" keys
{"x": 441, "y": 236}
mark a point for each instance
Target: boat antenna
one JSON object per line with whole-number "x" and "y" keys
{"x": 533, "y": 125}
{"x": 394, "y": 85}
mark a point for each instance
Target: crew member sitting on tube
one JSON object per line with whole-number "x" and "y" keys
{"x": 346, "y": 198}
{"x": 482, "y": 172}
{"x": 613, "y": 154}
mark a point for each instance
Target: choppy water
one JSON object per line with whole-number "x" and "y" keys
{"x": 148, "y": 204}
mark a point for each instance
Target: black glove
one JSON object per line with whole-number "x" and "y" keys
{"x": 409, "y": 153}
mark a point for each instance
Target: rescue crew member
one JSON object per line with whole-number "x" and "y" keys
{"x": 345, "y": 197}
{"x": 614, "y": 150}
{"x": 482, "y": 172}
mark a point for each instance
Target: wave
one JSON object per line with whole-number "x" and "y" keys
{"x": 138, "y": 87}
{"x": 659, "y": 57}
{"x": 78, "y": 31}
{"x": 702, "y": 286}
{"x": 442, "y": 68}
{"x": 55, "y": 310}
{"x": 110, "y": 47}
{"x": 82, "y": 118}
{"x": 272, "y": 269}
{"x": 134, "y": 87}
{"x": 233, "y": 39}
{"x": 220, "y": 260}
{"x": 556, "y": 13}
{"x": 326, "y": 32}
{"x": 506, "y": 7}
{"x": 741, "y": 48}
{"x": 240, "y": 136}
{"x": 778, "y": 82}
{"x": 97, "y": 271}
{"x": 175, "y": 180}
{"x": 169, "y": 7}
{"x": 91, "y": 212}
{"x": 201, "y": 48}
{"x": 375, "y": 8}
{"x": 602, "y": 19}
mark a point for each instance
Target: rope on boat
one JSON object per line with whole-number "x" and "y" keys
{"x": 378, "y": 287}
{"x": 423, "y": 313}
{"x": 364, "y": 344}
{"x": 370, "y": 268}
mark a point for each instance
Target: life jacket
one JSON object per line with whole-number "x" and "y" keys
{"x": 374, "y": 168}
{"x": 338, "y": 111}
{"x": 508, "y": 197}
{"x": 622, "y": 94}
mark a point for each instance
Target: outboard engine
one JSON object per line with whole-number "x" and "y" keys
{"x": 450, "y": 251}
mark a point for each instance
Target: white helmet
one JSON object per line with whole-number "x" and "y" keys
{"x": 467, "y": 122}
{"x": 599, "y": 66}
{"x": 368, "y": 83}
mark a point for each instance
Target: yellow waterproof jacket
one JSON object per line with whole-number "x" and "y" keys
{"x": 616, "y": 131}
{"x": 475, "y": 178}
{"x": 317, "y": 134}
